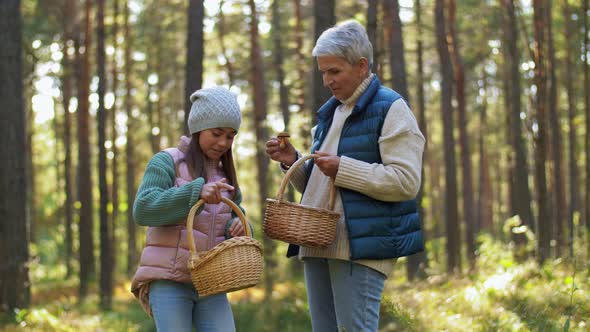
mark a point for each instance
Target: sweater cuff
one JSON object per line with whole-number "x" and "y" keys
{"x": 352, "y": 174}
{"x": 197, "y": 185}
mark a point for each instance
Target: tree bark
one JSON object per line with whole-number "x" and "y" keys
{"x": 129, "y": 150}
{"x": 69, "y": 14}
{"x": 540, "y": 138}
{"x": 323, "y": 14}
{"x": 522, "y": 194}
{"x": 259, "y": 86}
{"x": 574, "y": 192}
{"x": 416, "y": 264}
{"x": 106, "y": 269}
{"x": 194, "y": 54}
{"x": 397, "y": 63}
{"x": 459, "y": 76}
{"x": 14, "y": 240}
{"x": 84, "y": 174}
{"x": 559, "y": 204}
{"x": 453, "y": 245}
{"x": 372, "y": 9}
{"x": 221, "y": 36}
{"x": 586, "y": 65}
{"x": 114, "y": 136}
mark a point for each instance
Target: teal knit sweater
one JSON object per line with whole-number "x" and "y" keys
{"x": 159, "y": 202}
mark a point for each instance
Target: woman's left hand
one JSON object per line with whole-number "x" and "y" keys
{"x": 327, "y": 163}
{"x": 236, "y": 228}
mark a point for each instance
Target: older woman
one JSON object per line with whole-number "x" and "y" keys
{"x": 370, "y": 144}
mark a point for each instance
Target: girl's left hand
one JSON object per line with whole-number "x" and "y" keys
{"x": 327, "y": 163}
{"x": 236, "y": 228}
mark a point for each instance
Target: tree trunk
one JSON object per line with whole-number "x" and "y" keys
{"x": 485, "y": 197}
{"x": 323, "y": 14}
{"x": 397, "y": 63}
{"x": 453, "y": 245}
{"x": 221, "y": 35}
{"x": 106, "y": 269}
{"x": 372, "y": 9}
{"x": 416, "y": 264}
{"x": 278, "y": 64}
{"x": 14, "y": 241}
{"x": 574, "y": 191}
{"x": 540, "y": 138}
{"x": 559, "y": 204}
{"x": 129, "y": 150}
{"x": 522, "y": 195}
{"x": 84, "y": 175}
{"x": 459, "y": 75}
{"x": 114, "y": 136}
{"x": 259, "y": 86}
{"x": 586, "y": 65}
{"x": 69, "y": 14}
{"x": 194, "y": 54}
{"x": 300, "y": 84}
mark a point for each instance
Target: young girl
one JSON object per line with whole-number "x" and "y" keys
{"x": 200, "y": 167}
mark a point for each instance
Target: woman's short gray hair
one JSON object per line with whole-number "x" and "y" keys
{"x": 347, "y": 40}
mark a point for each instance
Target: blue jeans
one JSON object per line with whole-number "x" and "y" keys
{"x": 177, "y": 308}
{"x": 342, "y": 295}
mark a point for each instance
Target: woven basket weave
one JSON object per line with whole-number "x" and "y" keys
{"x": 232, "y": 265}
{"x": 299, "y": 224}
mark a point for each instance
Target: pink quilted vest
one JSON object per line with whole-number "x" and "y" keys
{"x": 166, "y": 250}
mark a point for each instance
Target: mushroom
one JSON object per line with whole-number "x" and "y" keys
{"x": 283, "y": 138}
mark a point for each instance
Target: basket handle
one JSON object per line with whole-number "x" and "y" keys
{"x": 191, "y": 217}
{"x": 292, "y": 169}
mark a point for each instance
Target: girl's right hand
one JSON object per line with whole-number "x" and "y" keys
{"x": 211, "y": 191}
{"x": 286, "y": 155}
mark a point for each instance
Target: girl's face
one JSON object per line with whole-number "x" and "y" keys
{"x": 215, "y": 142}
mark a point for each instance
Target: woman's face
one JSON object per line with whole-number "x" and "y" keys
{"x": 215, "y": 142}
{"x": 341, "y": 77}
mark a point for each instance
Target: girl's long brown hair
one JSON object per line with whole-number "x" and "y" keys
{"x": 195, "y": 161}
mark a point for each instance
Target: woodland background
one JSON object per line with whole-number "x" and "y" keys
{"x": 91, "y": 89}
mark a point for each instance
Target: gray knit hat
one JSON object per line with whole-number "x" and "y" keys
{"x": 214, "y": 107}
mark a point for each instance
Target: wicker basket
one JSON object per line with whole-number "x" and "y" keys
{"x": 233, "y": 264}
{"x": 299, "y": 224}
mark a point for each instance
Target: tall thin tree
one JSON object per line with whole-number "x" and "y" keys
{"x": 69, "y": 14}
{"x": 397, "y": 63}
{"x": 14, "y": 241}
{"x": 194, "y": 54}
{"x": 84, "y": 175}
{"x": 106, "y": 268}
{"x": 466, "y": 169}
{"x": 540, "y": 137}
{"x": 129, "y": 147}
{"x": 558, "y": 201}
{"x": 114, "y": 133}
{"x": 574, "y": 192}
{"x": 522, "y": 196}
{"x": 259, "y": 91}
{"x": 416, "y": 264}
{"x": 324, "y": 18}
{"x": 586, "y": 65}
{"x": 451, "y": 214}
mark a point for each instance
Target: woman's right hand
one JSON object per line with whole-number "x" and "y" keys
{"x": 211, "y": 191}
{"x": 286, "y": 155}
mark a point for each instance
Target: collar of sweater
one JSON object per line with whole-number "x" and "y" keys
{"x": 359, "y": 91}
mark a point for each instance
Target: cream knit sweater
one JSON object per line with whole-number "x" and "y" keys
{"x": 397, "y": 179}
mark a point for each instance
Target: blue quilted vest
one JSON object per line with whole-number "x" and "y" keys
{"x": 376, "y": 229}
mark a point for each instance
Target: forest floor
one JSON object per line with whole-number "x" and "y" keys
{"x": 499, "y": 295}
